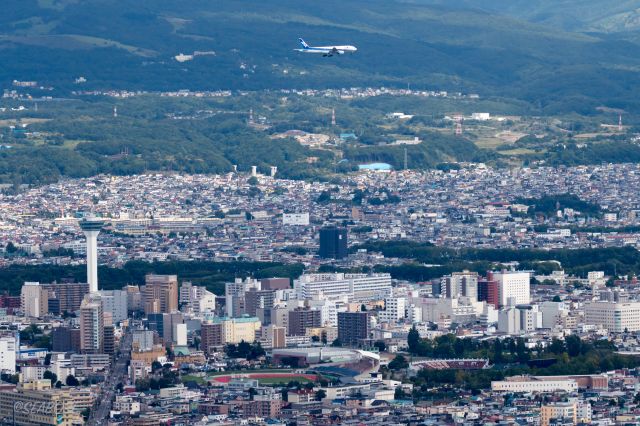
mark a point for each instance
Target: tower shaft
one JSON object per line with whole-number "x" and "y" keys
{"x": 92, "y": 260}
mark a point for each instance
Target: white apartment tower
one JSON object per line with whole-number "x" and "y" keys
{"x": 395, "y": 307}
{"x": 91, "y": 325}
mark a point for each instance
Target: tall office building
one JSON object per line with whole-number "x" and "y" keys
{"x": 302, "y": 318}
{"x": 488, "y": 291}
{"x": 513, "y": 287}
{"x": 259, "y": 300}
{"x": 333, "y": 243}
{"x": 160, "y": 294}
{"x": 143, "y": 340}
{"x": 91, "y": 325}
{"x": 91, "y": 227}
{"x": 234, "y": 293}
{"x": 65, "y": 339}
{"x": 275, "y": 283}
{"x": 134, "y": 298}
{"x": 353, "y": 327}
{"x": 211, "y": 337}
{"x": 34, "y": 300}
{"x": 115, "y": 303}
{"x": 65, "y": 297}
{"x": 109, "y": 344}
{"x": 461, "y": 284}
{"x": 155, "y": 322}
{"x": 169, "y": 323}
{"x": 196, "y": 299}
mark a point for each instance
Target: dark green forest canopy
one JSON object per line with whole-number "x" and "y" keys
{"x": 213, "y": 275}
{"x": 454, "y": 46}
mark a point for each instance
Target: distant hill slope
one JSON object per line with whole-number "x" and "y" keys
{"x": 569, "y": 15}
{"x": 453, "y": 46}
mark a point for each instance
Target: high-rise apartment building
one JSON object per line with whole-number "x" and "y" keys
{"x": 273, "y": 337}
{"x": 66, "y": 297}
{"x": 160, "y": 294}
{"x": 302, "y": 318}
{"x": 275, "y": 284}
{"x": 395, "y": 308}
{"x": 353, "y": 327}
{"x": 91, "y": 325}
{"x": 258, "y": 299}
{"x": 211, "y": 337}
{"x": 34, "y": 300}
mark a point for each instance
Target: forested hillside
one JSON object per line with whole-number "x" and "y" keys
{"x": 454, "y": 46}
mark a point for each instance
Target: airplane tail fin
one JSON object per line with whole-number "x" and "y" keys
{"x": 303, "y": 43}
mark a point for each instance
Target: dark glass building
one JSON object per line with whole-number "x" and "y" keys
{"x": 333, "y": 243}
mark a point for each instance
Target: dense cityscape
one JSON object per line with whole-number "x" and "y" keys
{"x": 261, "y": 218}
{"x": 339, "y": 343}
{"x": 427, "y": 213}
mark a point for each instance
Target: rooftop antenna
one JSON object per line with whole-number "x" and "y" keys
{"x": 619, "y": 122}
{"x": 405, "y": 159}
{"x": 459, "y": 119}
{"x": 251, "y": 116}
{"x": 333, "y": 117}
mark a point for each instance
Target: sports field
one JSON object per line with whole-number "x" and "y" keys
{"x": 267, "y": 378}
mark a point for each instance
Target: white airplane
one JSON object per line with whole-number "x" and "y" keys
{"x": 326, "y": 50}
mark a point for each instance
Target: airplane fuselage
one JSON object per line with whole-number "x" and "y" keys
{"x": 326, "y": 50}
{"x": 339, "y": 50}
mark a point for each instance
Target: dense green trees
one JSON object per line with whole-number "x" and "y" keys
{"x": 213, "y": 275}
{"x": 549, "y": 205}
{"x": 249, "y": 351}
{"x": 623, "y": 260}
{"x": 398, "y": 363}
{"x": 569, "y": 356}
